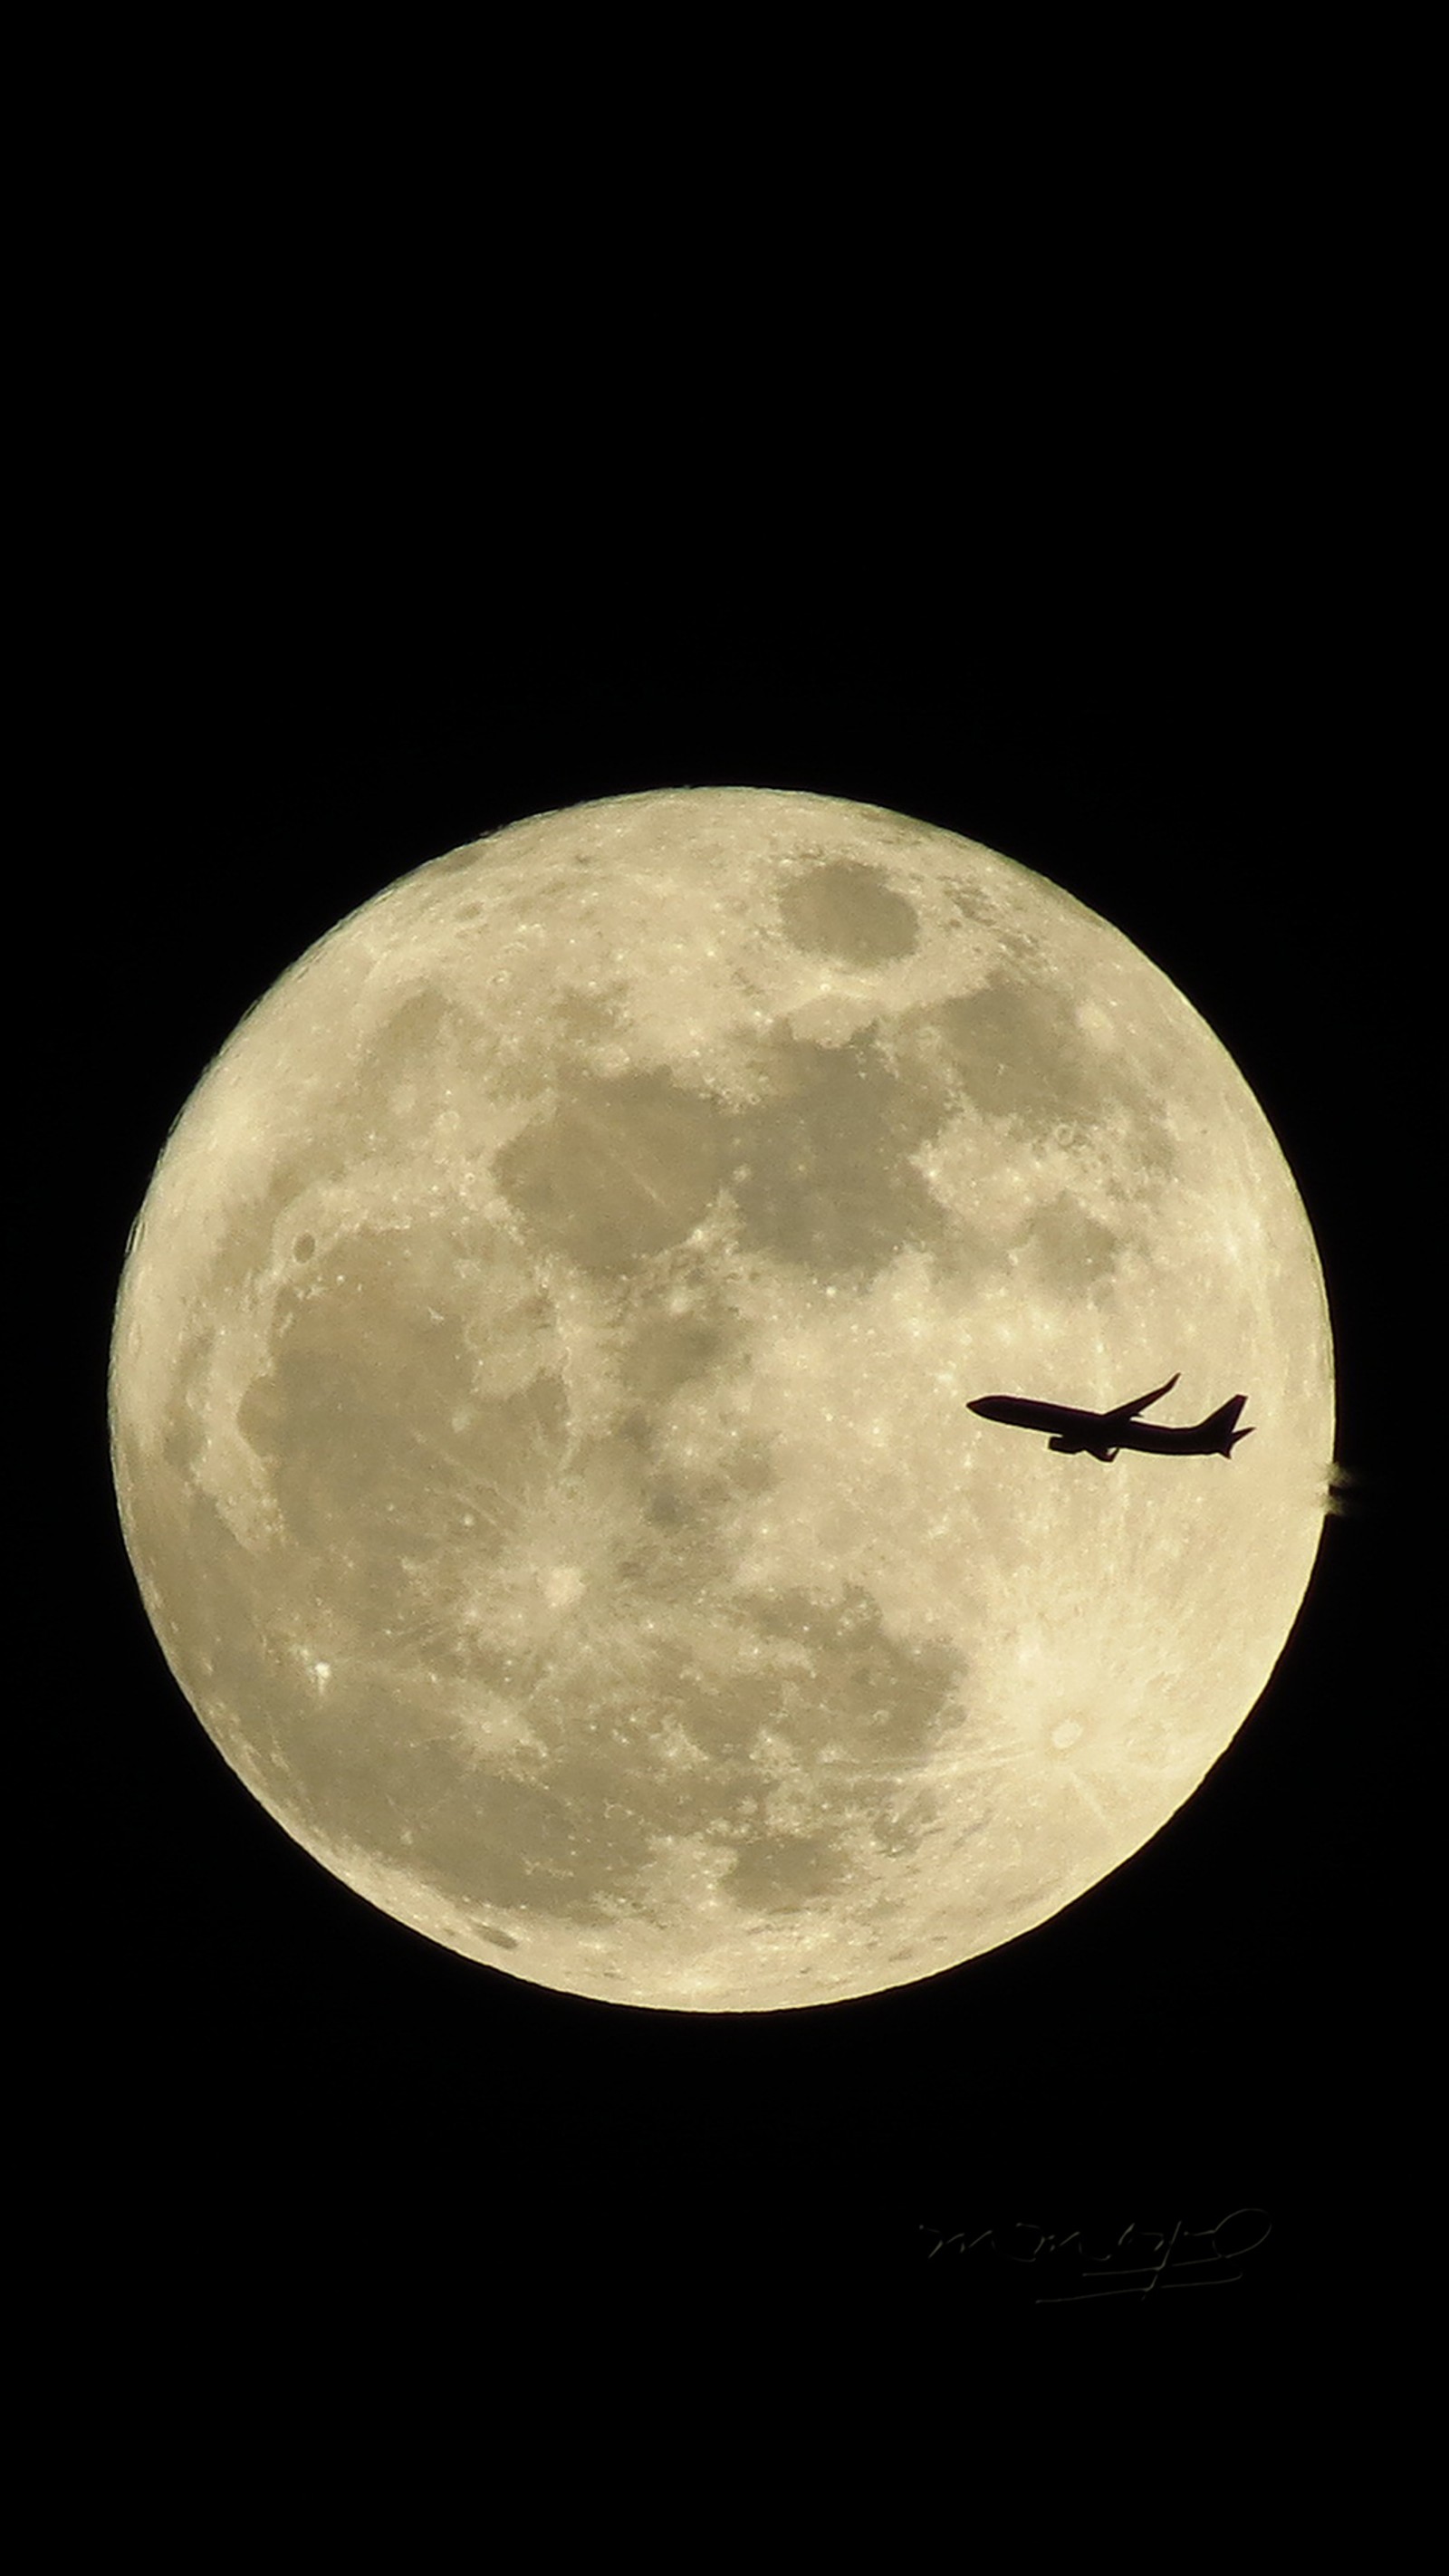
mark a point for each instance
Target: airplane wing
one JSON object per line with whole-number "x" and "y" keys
{"x": 1125, "y": 1412}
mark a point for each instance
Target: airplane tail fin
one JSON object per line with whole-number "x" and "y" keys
{"x": 1221, "y": 1425}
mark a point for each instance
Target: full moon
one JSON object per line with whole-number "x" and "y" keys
{"x": 540, "y": 1399}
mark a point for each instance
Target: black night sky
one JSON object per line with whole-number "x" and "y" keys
{"x": 1161, "y": 695}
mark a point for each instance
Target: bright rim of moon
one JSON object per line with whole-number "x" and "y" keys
{"x": 539, "y": 1399}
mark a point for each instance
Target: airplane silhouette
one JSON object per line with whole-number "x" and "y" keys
{"x": 1101, "y": 1435}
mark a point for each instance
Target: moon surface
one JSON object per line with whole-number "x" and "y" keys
{"x": 540, "y": 1384}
